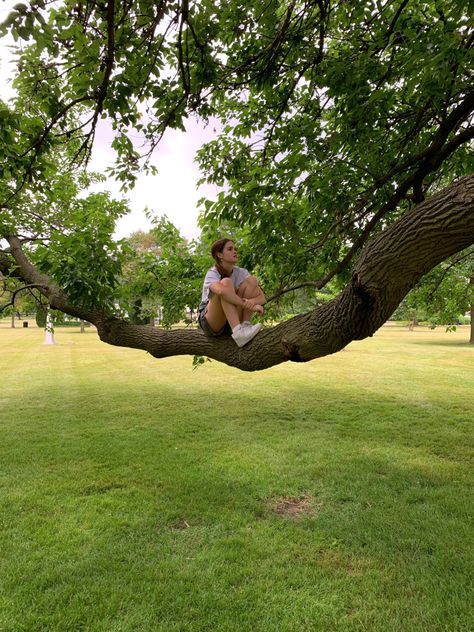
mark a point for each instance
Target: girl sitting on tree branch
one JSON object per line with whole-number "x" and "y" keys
{"x": 230, "y": 296}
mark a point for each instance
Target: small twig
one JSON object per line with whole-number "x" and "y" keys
{"x": 313, "y": 284}
{"x": 14, "y": 293}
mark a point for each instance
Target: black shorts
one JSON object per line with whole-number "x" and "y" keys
{"x": 207, "y": 329}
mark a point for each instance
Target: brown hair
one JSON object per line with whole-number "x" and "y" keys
{"x": 218, "y": 246}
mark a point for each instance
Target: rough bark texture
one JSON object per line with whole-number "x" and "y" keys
{"x": 390, "y": 265}
{"x": 471, "y": 340}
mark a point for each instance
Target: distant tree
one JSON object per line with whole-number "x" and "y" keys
{"x": 163, "y": 270}
{"x": 137, "y": 293}
{"x": 471, "y": 287}
{"x": 445, "y": 294}
{"x": 23, "y": 303}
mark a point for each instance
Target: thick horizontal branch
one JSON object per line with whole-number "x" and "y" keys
{"x": 389, "y": 266}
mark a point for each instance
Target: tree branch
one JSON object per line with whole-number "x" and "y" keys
{"x": 109, "y": 65}
{"x": 11, "y": 303}
{"x": 56, "y": 297}
{"x": 389, "y": 266}
{"x": 429, "y": 160}
{"x": 313, "y": 284}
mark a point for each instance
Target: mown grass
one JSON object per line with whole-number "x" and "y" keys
{"x": 139, "y": 495}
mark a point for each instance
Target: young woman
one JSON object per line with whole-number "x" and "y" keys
{"x": 230, "y": 296}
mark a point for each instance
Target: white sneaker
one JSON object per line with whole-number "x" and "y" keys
{"x": 244, "y": 333}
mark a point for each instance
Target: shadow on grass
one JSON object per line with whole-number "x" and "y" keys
{"x": 442, "y": 343}
{"x": 155, "y": 490}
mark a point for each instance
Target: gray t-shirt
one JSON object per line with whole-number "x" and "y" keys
{"x": 213, "y": 276}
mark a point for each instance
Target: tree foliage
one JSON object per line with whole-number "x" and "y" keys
{"x": 444, "y": 295}
{"x": 162, "y": 275}
{"x": 68, "y": 234}
{"x": 337, "y": 121}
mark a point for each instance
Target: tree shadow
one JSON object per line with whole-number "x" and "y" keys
{"x": 442, "y": 343}
{"x": 384, "y": 482}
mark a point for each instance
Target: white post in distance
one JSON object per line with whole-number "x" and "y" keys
{"x": 49, "y": 330}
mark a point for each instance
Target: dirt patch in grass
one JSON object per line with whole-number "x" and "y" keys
{"x": 339, "y": 561}
{"x": 179, "y": 525}
{"x": 292, "y": 506}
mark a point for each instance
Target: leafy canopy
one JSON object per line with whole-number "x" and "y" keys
{"x": 335, "y": 119}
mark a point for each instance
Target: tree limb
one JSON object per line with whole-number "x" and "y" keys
{"x": 389, "y": 266}
{"x": 11, "y": 302}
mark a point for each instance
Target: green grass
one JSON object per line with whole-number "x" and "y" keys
{"x": 139, "y": 495}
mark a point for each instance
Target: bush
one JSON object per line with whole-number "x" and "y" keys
{"x": 40, "y": 318}
{"x": 72, "y": 323}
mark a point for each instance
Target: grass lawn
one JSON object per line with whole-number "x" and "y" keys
{"x": 139, "y": 495}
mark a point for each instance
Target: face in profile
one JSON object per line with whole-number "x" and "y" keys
{"x": 228, "y": 254}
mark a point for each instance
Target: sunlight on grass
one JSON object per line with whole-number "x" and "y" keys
{"x": 139, "y": 494}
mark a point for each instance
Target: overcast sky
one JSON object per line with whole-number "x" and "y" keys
{"x": 173, "y": 192}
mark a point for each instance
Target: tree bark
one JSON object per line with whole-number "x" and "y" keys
{"x": 387, "y": 269}
{"x": 471, "y": 339}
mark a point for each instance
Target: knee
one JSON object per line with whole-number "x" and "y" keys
{"x": 249, "y": 285}
{"x": 224, "y": 286}
{"x": 227, "y": 283}
{"x": 251, "y": 281}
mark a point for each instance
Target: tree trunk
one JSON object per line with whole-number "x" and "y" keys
{"x": 83, "y": 329}
{"x": 49, "y": 330}
{"x": 387, "y": 269}
{"x": 13, "y": 320}
{"x": 471, "y": 340}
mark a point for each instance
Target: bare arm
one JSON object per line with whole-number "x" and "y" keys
{"x": 255, "y": 302}
{"x": 226, "y": 291}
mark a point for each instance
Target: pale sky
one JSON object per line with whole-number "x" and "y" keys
{"x": 173, "y": 192}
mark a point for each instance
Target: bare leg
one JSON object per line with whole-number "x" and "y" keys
{"x": 220, "y": 310}
{"x": 250, "y": 289}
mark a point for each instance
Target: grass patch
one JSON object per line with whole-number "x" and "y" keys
{"x": 140, "y": 495}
